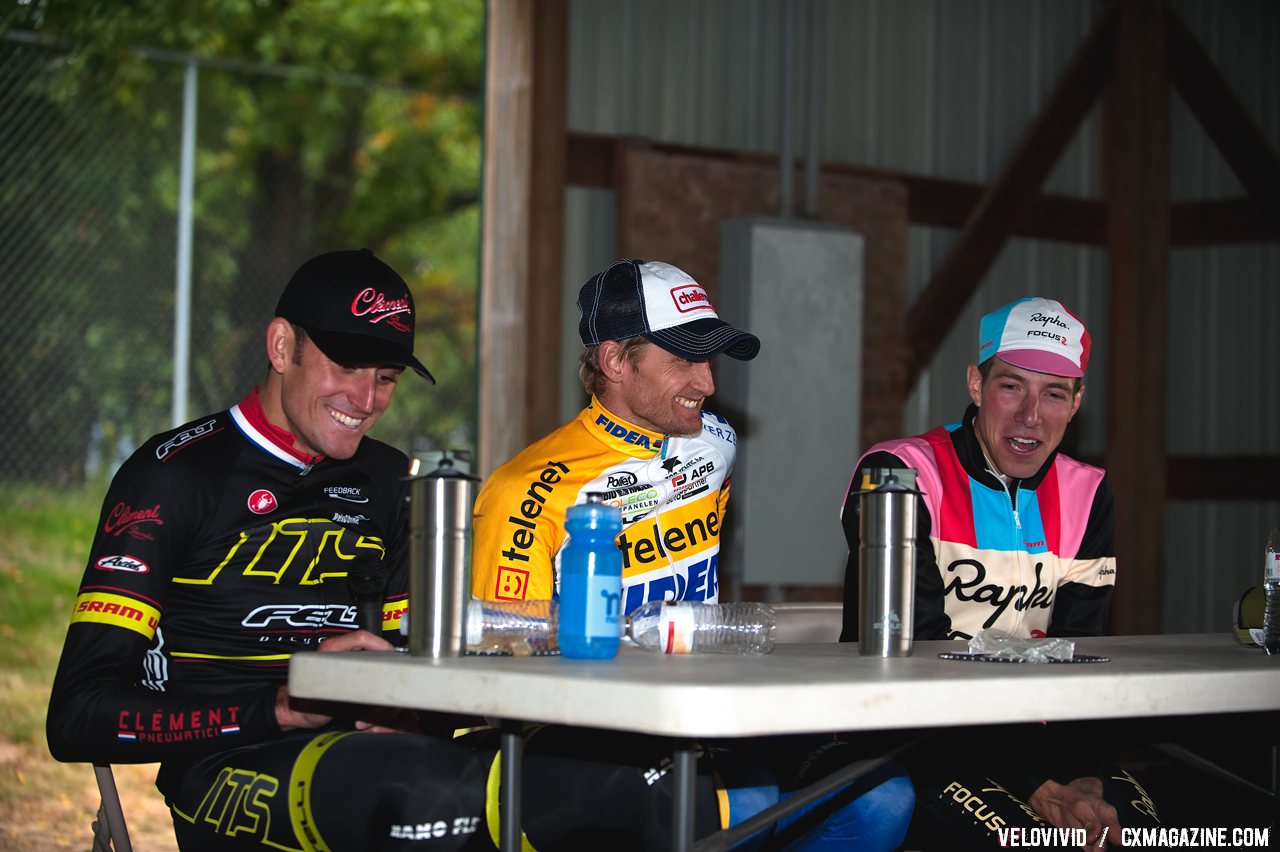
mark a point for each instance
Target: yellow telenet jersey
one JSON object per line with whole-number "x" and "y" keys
{"x": 672, "y": 492}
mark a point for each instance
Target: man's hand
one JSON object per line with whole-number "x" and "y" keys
{"x": 1078, "y": 805}
{"x": 295, "y": 713}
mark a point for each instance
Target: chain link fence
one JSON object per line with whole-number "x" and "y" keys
{"x": 89, "y": 200}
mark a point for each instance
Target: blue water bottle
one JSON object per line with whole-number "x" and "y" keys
{"x": 591, "y": 582}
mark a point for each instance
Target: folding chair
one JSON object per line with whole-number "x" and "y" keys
{"x": 110, "y": 834}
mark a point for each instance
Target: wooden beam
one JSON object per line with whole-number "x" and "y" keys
{"x": 1228, "y": 124}
{"x": 1217, "y": 477}
{"x": 945, "y": 203}
{"x": 504, "y": 272}
{"x": 991, "y": 223}
{"x": 1223, "y": 478}
{"x": 1135, "y": 158}
{"x": 546, "y": 220}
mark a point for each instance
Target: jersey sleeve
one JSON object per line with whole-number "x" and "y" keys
{"x": 1082, "y": 603}
{"x": 108, "y": 703}
{"x": 518, "y": 529}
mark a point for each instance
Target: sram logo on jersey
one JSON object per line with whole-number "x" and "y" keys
{"x": 122, "y": 563}
{"x": 631, "y": 436}
{"x": 301, "y": 616}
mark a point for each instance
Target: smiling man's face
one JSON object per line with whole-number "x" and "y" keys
{"x": 1022, "y": 415}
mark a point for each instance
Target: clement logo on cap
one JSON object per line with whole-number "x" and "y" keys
{"x": 690, "y": 297}
{"x": 370, "y": 301}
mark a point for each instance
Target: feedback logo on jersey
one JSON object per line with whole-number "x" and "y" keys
{"x": 347, "y": 493}
{"x": 122, "y": 563}
{"x": 262, "y": 501}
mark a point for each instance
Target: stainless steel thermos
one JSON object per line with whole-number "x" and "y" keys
{"x": 440, "y": 504}
{"x": 886, "y": 561}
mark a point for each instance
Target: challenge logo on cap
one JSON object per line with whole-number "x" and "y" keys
{"x": 355, "y": 308}
{"x": 663, "y": 304}
{"x": 1036, "y": 334}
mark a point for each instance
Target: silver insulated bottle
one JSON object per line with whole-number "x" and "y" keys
{"x": 440, "y": 504}
{"x": 887, "y": 561}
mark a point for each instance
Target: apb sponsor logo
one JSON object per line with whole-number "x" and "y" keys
{"x": 262, "y": 501}
{"x": 122, "y": 563}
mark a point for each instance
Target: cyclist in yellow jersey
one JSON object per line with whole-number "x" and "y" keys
{"x": 646, "y": 443}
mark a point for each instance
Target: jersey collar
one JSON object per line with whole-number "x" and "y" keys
{"x": 619, "y": 435}
{"x": 249, "y": 416}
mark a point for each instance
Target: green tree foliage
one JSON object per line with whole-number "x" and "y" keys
{"x": 321, "y": 124}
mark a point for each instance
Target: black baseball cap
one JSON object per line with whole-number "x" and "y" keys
{"x": 664, "y": 305}
{"x": 355, "y": 308}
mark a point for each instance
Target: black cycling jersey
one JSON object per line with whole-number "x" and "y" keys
{"x": 220, "y": 551}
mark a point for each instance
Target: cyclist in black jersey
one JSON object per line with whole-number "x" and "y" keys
{"x": 247, "y": 535}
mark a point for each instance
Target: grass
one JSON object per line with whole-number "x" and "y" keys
{"x": 45, "y": 534}
{"x": 44, "y": 540}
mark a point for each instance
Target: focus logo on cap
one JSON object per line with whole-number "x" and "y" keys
{"x": 378, "y": 308}
{"x": 1036, "y": 334}
{"x": 691, "y": 297}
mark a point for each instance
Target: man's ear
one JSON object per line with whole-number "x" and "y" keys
{"x": 612, "y": 360}
{"x": 280, "y": 343}
{"x": 973, "y": 379}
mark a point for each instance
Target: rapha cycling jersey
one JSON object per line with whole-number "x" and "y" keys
{"x": 672, "y": 492}
{"x": 1034, "y": 557}
{"x": 220, "y": 551}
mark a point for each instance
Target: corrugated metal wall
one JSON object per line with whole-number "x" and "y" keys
{"x": 946, "y": 88}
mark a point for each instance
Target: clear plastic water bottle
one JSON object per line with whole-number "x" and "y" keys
{"x": 1271, "y": 585}
{"x": 687, "y": 627}
{"x": 591, "y": 582}
{"x": 520, "y": 628}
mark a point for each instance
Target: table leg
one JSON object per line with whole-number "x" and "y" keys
{"x": 685, "y": 762}
{"x": 512, "y": 745}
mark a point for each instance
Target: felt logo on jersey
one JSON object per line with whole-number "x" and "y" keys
{"x": 378, "y": 308}
{"x": 629, "y": 435}
{"x": 301, "y": 615}
{"x": 262, "y": 501}
{"x": 347, "y": 493}
{"x": 122, "y": 563}
{"x": 123, "y": 518}
{"x": 181, "y": 439}
{"x": 690, "y": 297}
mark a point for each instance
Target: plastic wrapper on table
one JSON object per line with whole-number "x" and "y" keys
{"x": 1001, "y": 645}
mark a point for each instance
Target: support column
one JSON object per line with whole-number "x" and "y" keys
{"x": 1135, "y": 157}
